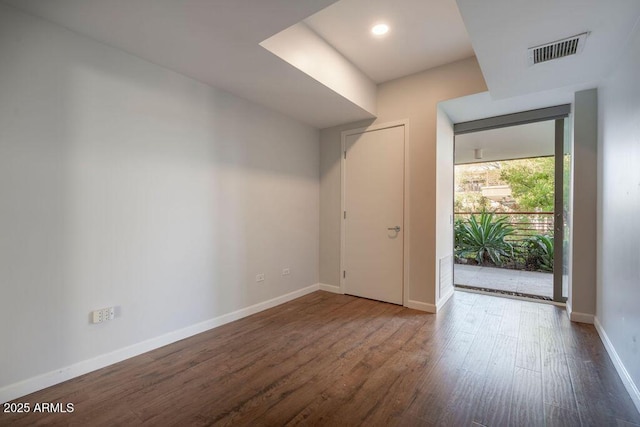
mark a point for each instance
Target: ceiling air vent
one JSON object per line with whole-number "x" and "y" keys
{"x": 558, "y": 49}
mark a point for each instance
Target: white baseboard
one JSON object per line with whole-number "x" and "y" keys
{"x": 443, "y": 300}
{"x": 422, "y": 306}
{"x": 22, "y": 388}
{"x": 581, "y": 317}
{"x": 617, "y": 362}
{"x": 576, "y": 316}
{"x": 330, "y": 288}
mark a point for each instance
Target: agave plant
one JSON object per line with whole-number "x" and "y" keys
{"x": 483, "y": 240}
{"x": 540, "y": 252}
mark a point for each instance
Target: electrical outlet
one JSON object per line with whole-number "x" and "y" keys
{"x": 286, "y": 271}
{"x": 97, "y": 316}
{"x": 260, "y": 277}
{"x": 104, "y": 314}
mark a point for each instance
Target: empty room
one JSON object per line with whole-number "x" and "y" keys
{"x": 252, "y": 212}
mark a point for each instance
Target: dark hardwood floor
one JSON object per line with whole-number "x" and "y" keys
{"x": 327, "y": 359}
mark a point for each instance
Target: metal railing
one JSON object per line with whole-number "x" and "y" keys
{"x": 524, "y": 224}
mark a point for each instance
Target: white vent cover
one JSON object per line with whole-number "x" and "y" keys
{"x": 446, "y": 275}
{"x": 557, "y": 49}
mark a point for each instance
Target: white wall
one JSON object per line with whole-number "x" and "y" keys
{"x": 125, "y": 184}
{"x": 582, "y": 293}
{"x": 618, "y": 284}
{"x": 444, "y": 205}
{"x": 415, "y": 98}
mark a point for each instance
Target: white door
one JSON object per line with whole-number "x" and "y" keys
{"x": 373, "y": 221}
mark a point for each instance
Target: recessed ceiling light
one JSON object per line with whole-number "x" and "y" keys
{"x": 380, "y": 29}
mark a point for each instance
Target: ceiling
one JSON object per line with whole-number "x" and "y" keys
{"x": 217, "y": 42}
{"x": 502, "y": 30}
{"x": 213, "y": 41}
{"x": 508, "y": 143}
{"x": 423, "y": 34}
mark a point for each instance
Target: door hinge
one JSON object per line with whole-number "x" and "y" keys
{"x": 345, "y": 154}
{"x": 345, "y": 215}
{"x": 344, "y": 274}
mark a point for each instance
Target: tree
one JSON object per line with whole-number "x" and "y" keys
{"x": 471, "y": 202}
{"x": 469, "y": 180}
{"x": 531, "y": 182}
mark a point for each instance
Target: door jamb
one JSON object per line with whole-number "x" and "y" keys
{"x": 558, "y": 211}
{"x": 406, "y": 198}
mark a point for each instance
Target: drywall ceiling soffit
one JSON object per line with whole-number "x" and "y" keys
{"x": 215, "y": 42}
{"x": 299, "y": 46}
{"x": 502, "y": 30}
{"x": 482, "y": 105}
{"x": 423, "y": 34}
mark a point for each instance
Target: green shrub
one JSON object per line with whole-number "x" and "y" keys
{"x": 484, "y": 239}
{"x": 539, "y": 252}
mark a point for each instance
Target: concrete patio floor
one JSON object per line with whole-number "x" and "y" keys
{"x": 501, "y": 279}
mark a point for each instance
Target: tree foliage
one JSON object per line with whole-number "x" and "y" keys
{"x": 531, "y": 182}
{"x": 471, "y": 202}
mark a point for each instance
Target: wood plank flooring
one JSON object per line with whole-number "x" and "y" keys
{"x": 327, "y": 359}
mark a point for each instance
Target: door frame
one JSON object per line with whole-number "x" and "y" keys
{"x": 558, "y": 211}
{"x": 406, "y": 198}
{"x": 559, "y": 114}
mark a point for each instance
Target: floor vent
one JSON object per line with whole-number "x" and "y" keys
{"x": 446, "y": 274}
{"x": 558, "y": 49}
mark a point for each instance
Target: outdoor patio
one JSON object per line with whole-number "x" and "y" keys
{"x": 501, "y": 279}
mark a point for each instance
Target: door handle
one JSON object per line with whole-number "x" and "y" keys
{"x": 396, "y": 228}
